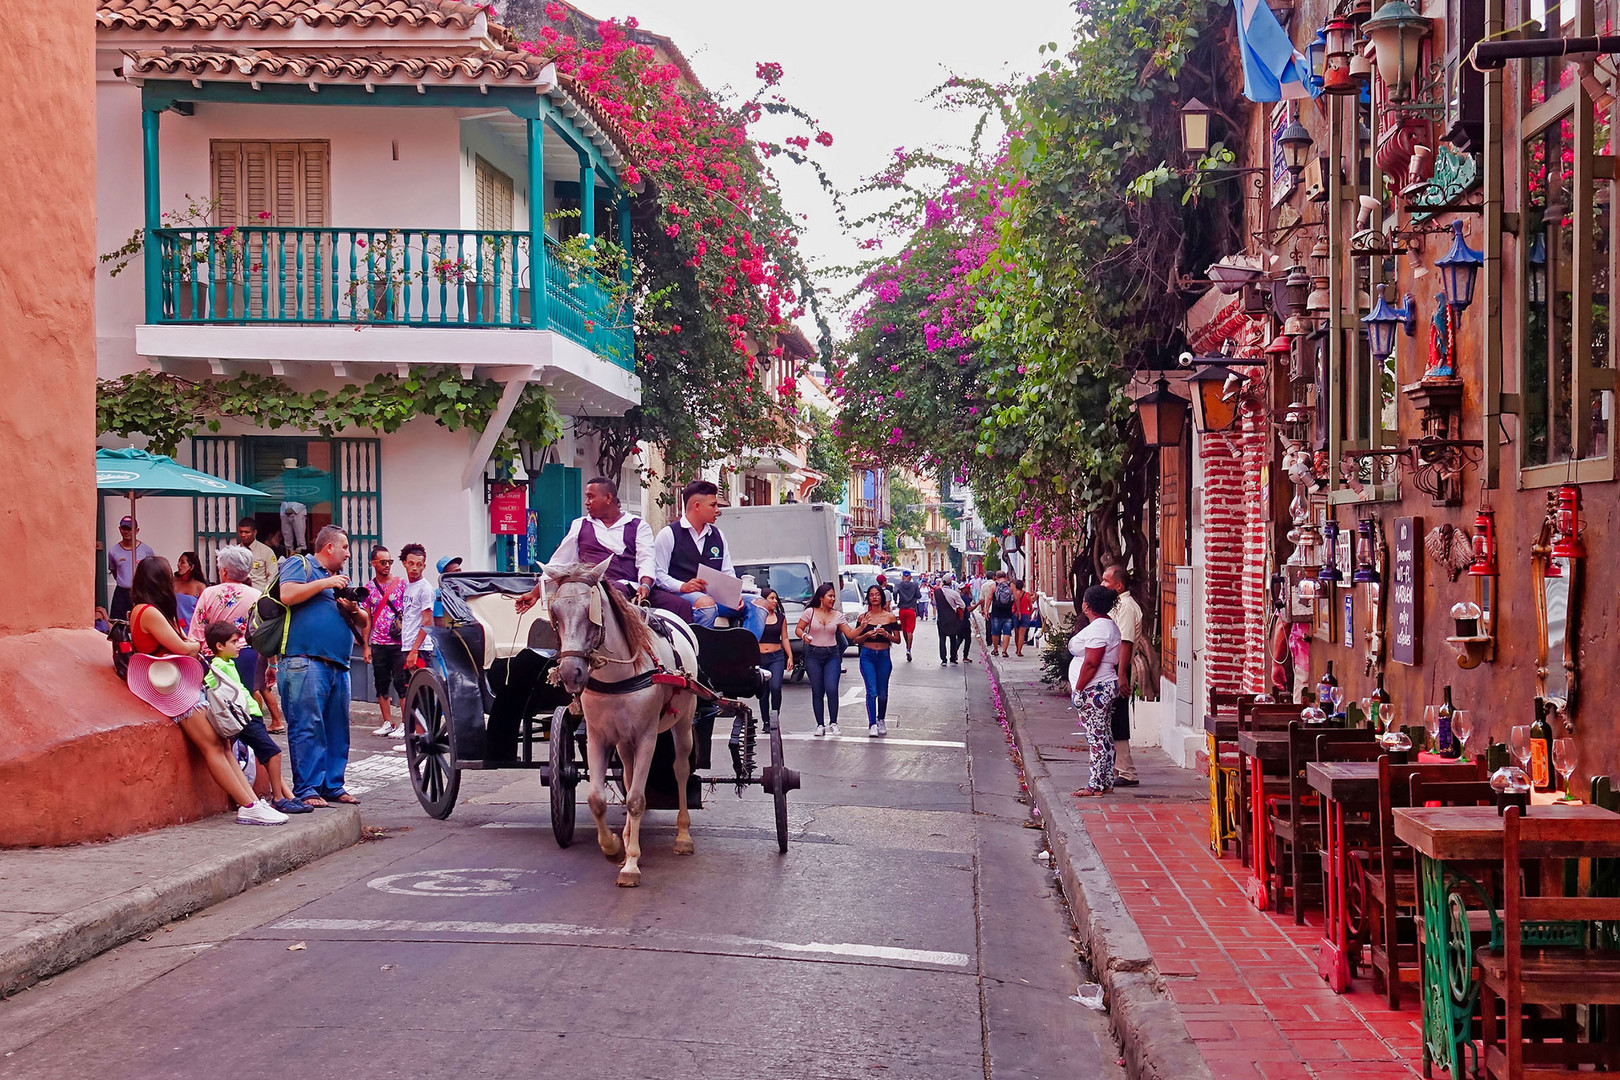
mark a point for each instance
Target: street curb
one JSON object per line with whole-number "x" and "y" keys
{"x": 1149, "y": 1025}
{"x": 76, "y": 936}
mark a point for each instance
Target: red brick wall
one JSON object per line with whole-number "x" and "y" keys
{"x": 1235, "y": 543}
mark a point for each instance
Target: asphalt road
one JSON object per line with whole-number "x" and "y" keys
{"x": 910, "y": 931}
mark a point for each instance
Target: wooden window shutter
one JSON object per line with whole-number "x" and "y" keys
{"x": 227, "y": 169}
{"x": 494, "y": 197}
{"x": 289, "y": 180}
{"x": 317, "y": 166}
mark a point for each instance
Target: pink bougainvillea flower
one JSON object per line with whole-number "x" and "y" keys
{"x": 672, "y": 230}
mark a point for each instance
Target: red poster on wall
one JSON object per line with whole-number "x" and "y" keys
{"x": 508, "y": 509}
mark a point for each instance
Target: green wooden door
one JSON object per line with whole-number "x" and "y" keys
{"x": 557, "y": 497}
{"x": 214, "y": 519}
{"x": 357, "y": 466}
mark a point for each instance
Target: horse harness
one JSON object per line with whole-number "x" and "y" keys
{"x": 658, "y": 676}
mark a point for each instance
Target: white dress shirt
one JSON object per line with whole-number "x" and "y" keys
{"x": 610, "y": 537}
{"x": 664, "y": 550}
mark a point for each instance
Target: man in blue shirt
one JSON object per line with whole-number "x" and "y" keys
{"x": 314, "y": 672}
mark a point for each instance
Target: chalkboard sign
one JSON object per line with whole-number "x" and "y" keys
{"x": 1406, "y": 592}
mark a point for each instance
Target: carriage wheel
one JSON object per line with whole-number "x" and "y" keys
{"x": 564, "y": 777}
{"x": 780, "y": 781}
{"x": 430, "y": 744}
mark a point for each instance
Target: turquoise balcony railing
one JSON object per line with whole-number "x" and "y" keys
{"x": 382, "y": 277}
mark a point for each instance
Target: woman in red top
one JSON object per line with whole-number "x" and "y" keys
{"x": 1023, "y": 614}
{"x": 153, "y": 625}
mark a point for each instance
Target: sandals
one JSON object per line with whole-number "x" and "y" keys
{"x": 315, "y": 802}
{"x": 1087, "y": 793}
{"x": 345, "y": 798}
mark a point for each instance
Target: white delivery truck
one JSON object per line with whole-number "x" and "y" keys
{"x": 791, "y": 548}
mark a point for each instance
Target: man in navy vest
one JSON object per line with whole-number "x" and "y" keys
{"x": 607, "y": 532}
{"x": 695, "y": 541}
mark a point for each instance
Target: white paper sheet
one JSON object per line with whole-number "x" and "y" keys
{"x": 725, "y": 588}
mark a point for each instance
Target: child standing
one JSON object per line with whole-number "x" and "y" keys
{"x": 224, "y": 640}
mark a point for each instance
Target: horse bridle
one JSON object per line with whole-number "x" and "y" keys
{"x": 598, "y": 634}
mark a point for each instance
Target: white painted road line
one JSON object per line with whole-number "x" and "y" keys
{"x": 376, "y": 771}
{"x": 727, "y": 942}
{"x": 863, "y": 738}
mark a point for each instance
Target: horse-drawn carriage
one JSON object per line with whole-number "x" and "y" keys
{"x": 489, "y": 701}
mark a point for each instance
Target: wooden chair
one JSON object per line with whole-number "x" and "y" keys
{"x": 1547, "y": 977}
{"x": 1224, "y": 765}
{"x": 1255, "y": 716}
{"x": 1295, "y": 831}
{"x": 1392, "y": 879}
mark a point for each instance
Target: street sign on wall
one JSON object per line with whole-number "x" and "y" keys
{"x": 509, "y": 509}
{"x": 862, "y": 549}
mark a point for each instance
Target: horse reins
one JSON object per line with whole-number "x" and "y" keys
{"x": 593, "y": 643}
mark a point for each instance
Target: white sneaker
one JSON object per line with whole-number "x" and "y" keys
{"x": 821, "y": 729}
{"x": 882, "y": 728}
{"x": 832, "y": 728}
{"x": 397, "y": 731}
{"x": 871, "y": 731}
{"x": 382, "y": 731}
{"x": 260, "y": 813}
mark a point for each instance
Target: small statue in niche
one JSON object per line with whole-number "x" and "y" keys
{"x": 1440, "y": 342}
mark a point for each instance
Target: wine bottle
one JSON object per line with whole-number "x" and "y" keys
{"x": 1541, "y": 750}
{"x": 1380, "y": 699}
{"x": 1445, "y": 741}
{"x": 1325, "y": 689}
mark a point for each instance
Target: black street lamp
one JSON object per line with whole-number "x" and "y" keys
{"x": 1195, "y": 127}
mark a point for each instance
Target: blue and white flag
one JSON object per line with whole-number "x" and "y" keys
{"x": 1272, "y": 68}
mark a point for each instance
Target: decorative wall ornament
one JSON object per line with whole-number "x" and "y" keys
{"x": 1451, "y": 549}
{"x": 1455, "y": 174}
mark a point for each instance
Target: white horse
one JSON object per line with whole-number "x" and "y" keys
{"x": 608, "y": 654}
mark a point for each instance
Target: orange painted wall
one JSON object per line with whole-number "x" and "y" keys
{"x": 47, "y": 349}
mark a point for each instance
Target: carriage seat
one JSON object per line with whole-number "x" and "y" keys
{"x": 506, "y": 633}
{"x": 728, "y": 660}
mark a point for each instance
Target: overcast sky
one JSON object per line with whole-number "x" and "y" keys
{"x": 860, "y": 68}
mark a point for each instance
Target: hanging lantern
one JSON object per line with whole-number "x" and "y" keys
{"x": 1163, "y": 414}
{"x": 1366, "y": 553}
{"x": 1569, "y": 544}
{"x": 1459, "y": 268}
{"x": 1215, "y": 398}
{"x": 1296, "y": 144}
{"x": 1316, "y": 57}
{"x": 1381, "y": 322}
{"x": 1329, "y": 572}
{"x": 1195, "y": 127}
{"x": 1397, "y": 33}
{"x": 1292, "y": 292}
{"x": 1484, "y": 564}
{"x": 1536, "y": 286}
{"x": 1340, "y": 36}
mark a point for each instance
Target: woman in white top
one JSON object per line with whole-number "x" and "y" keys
{"x": 1092, "y": 684}
{"x": 822, "y": 628}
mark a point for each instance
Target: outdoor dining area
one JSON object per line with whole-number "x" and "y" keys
{"x": 1456, "y": 879}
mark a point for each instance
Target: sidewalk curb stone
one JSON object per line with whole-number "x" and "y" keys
{"x": 72, "y": 938}
{"x": 1150, "y": 1027}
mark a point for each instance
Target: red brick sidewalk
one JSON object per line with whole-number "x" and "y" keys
{"x": 1244, "y": 980}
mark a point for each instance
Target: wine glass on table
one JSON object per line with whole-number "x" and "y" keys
{"x": 1431, "y": 724}
{"x": 1519, "y": 743}
{"x": 1564, "y": 757}
{"x": 1462, "y": 726}
{"x": 1394, "y": 738}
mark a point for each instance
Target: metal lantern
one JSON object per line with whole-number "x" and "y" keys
{"x": 1484, "y": 564}
{"x": 1294, "y": 290}
{"x": 1316, "y": 57}
{"x": 1296, "y": 145}
{"x": 1340, "y": 36}
{"x": 1215, "y": 398}
{"x": 1195, "y": 127}
{"x": 1397, "y": 33}
{"x": 1164, "y": 415}
{"x": 1459, "y": 268}
{"x": 1382, "y": 320}
{"x": 1536, "y": 285}
{"x": 1329, "y": 572}
{"x": 1569, "y": 544}
{"x": 1366, "y": 553}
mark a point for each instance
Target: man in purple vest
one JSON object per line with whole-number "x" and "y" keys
{"x": 607, "y": 532}
{"x": 695, "y": 540}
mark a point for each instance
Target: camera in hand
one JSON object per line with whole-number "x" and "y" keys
{"x": 353, "y": 593}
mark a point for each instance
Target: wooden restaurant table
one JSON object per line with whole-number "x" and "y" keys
{"x": 1346, "y": 787}
{"x": 1261, "y": 748}
{"x": 1465, "y": 834}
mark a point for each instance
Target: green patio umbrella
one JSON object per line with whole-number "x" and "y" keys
{"x": 136, "y": 472}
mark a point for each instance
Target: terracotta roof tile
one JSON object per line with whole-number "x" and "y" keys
{"x": 262, "y": 14}
{"x": 346, "y": 66}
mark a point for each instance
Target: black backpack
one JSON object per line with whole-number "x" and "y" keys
{"x": 123, "y": 646}
{"x": 1003, "y": 595}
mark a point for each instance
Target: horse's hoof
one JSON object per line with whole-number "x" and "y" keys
{"x": 629, "y": 879}
{"x": 684, "y": 847}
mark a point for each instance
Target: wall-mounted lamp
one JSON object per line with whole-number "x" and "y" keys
{"x": 1459, "y": 268}
{"x": 1163, "y": 415}
{"x": 1296, "y": 144}
{"x": 1397, "y": 33}
{"x": 1569, "y": 544}
{"x": 1329, "y": 572}
{"x": 1536, "y": 285}
{"x": 1316, "y": 57}
{"x": 1484, "y": 564}
{"x": 1339, "y": 35}
{"x": 1366, "y": 552}
{"x": 1382, "y": 320}
{"x": 1215, "y": 398}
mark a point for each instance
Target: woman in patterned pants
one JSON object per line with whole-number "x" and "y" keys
{"x": 1092, "y": 684}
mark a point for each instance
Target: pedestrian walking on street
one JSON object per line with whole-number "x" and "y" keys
{"x": 1023, "y": 615}
{"x": 1127, "y": 615}
{"x": 189, "y": 584}
{"x": 315, "y": 668}
{"x": 167, "y": 673}
{"x": 998, "y": 611}
{"x": 774, "y": 656}
{"x": 1093, "y": 685}
{"x": 385, "y": 607}
{"x": 950, "y": 605}
{"x": 822, "y": 628}
{"x": 122, "y": 558}
{"x": 877, "y": 631}
{"x": 964, "y": 633}
{"x": 908, "y": 598}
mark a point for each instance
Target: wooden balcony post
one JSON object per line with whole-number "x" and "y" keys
{"x": 538, "y": 310}
{"x": 624, "y": 234}
{"x": 151, "y": 257}
{"x": 587, "y": 196}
